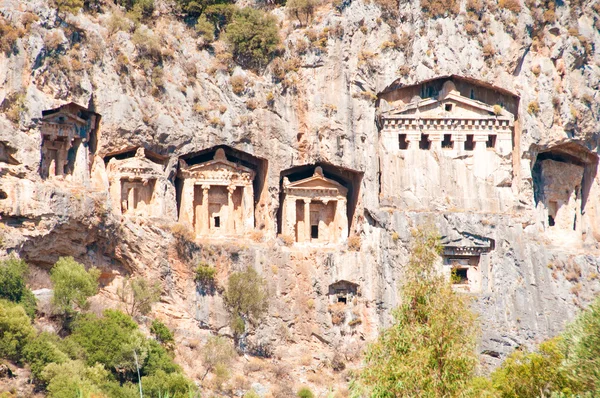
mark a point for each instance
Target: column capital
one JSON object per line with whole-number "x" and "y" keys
{"x": 307, "y": 201}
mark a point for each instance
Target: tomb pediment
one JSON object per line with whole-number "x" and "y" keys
{"x": 452, "y": 106}
{"x": 137, "y": 166}
{"x": 218, "y": 169}
{"x": 466, "y": 244}
{"x": 317, "y": 182}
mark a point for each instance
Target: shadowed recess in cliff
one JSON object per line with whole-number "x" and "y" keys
{"x": 244, "y": 159}
{"x": 349, "y": 179}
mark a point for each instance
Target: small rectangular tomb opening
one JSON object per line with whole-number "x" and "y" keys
{"x": 343, "y": 291}
{"x": 402, "y": 142}
{"x": 459, "y": 276}
{"x": 491, "y": 142}
{"x": 447, "y": 143}
{"x": 424, "y": 143}
{"x": 470, "y": 142}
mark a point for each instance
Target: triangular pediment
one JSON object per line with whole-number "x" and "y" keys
{"x": 138, "y": 165}
{"x": 62, "y": 117}
{"x": 452, "y": 106}
{"x": 317, "y": 182}
{"x": 220, "y": 165}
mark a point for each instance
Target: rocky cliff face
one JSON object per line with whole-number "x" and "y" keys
{"x": 325, "y": 110}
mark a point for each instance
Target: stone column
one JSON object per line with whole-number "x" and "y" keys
{"x": 307, "y": 219}
{"x": 479, "y": 141}
{"x": 413, "y": 139}
{"x": 436, "y": 140}
{"x": 341, "y": 219}
{"x": 205, "y": 219}
{"x": 289, "y": 216}
{"x": 248, "y": 208}
{"x": 459, "y": 141}
{"x": 61, "y": 160}
{"x": 230, "y": 222}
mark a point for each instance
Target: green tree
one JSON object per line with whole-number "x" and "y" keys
{"x": 582, "y": 349}
{"x": 246, "y": 298}
{"x": 15, "y": 330}
{"x": 162, "y": 384}
{"x": 41, "y": 351}
{"x": 138, "y": 295}
{"x": 535, "y": 374}
{"x": 254, "y": 37}
{"x": 73, "y": 285}
{"x": 430, "y": 348}
{"x": 13, "y": 287}
{"x": 73, "y": 379}
{"x": 163, "y": 334}
{"x": 68, "y": 6}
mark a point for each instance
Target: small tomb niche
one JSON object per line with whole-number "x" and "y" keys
{"x": 343, "y": 292}
{"x": 216, "y": 192}
{"x": 315, "y": 206}
{"x": 562, "y": 178}
{"x": 68, "y": 134}
{"x": 133, "y": 176}
{"x": 463, "y": 266}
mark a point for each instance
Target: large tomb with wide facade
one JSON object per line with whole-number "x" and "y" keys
{"x": 137, "y": 183}
{"x": 68, "y": 136}
{"x": 315, "y": 209}
{"x": 217, "y": 197}
{"x": 452, "y": 134}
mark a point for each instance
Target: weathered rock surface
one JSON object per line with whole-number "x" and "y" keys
{"x": 532, "y": 282}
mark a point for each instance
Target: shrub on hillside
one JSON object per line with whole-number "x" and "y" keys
{"x": 73, "y": 285}
{"x": 440, "y": 8}
{"x": 301, "y": 9}
{"x": 217, "y": 351}
{"x": 9, "y": 34}
{"x": 41, "y": 351}
{"x": 305, "y": 392}
{"x": 15, "y": 330}
{"x": 12, "y": 284}
{"x": 163, "y": 334}
{"x": 246, "y": 298}
{"x": 172, "y": 385}
{"x": 205, "y": 278}
{"x": 74, "y": 379}
{"x": 254, "y": 37}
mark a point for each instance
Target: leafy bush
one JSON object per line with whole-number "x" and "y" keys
{"x": 205, "y": 29}
{"x": 12, "y": 284}
{"x": 41, "y": 351}
{"x": 238, "y": 84}
{"x": 73, "y": 379}
{"x": 157, "y": 358}
{"x": 511, "y": 5}
{"x": 246, "y": 298}
{"x": 305, "y": 392}
{"x": 138, "y": 295}
{"x": 15, "y": 330}
{"x": 68, "y": 6}
{"x": 205, "y": 277}
{"x": 73, "y": 285}
{"x": 254, "y": 37}
{"x": 440, "y": 8}
{"x": 430, "y": 348}
{"x": 138, "y": 9}
{"x": 533, "y": 107}
{"x": 109, "y": 340}
{"x": 162, "y": 334}
{"x": 172, "y": 385}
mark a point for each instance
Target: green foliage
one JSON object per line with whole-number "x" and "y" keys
{"x": 15, "y": 330}
{"x": 251, "y": 394}
{"x": 138, "y": 295}
{"x": 41, "y": 351}
{"x": 254, "y": 37}
{"x": 246, "y": 298}
{"x": 173, "y": 385}
{"x": 68, "y": 6}
{"x": 430, "y": 348}
{"x": 162, "y": 334}
{"x": 300, "y": 9}
{"x": 582, "y": 349}
{"x": 218, "y": 351}
{"x": 157, "y": 358}
{"x": 9, "y": 34}
{"x": 196, "y": 8}
{"x": 532, "y": 374}
{"x": 205, "y": 277}
{"x": 12, "y": 284}
{"x": 138, "y": 9}
{"x": 73, "y": 379}
{"x": 73, "y": 285}
{"x": 305, "y": 392}
{"x": 109, "y": 340}
{"x": 205, "y": 29}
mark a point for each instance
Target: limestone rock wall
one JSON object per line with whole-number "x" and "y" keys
{"x": 533, "y": 281}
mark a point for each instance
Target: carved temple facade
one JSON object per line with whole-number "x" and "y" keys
{"x": 68, "y": 133}
{"x": 315, "y": 209}
{"x": 138, "y": 183}
{"x": 466, "y": 262}
{"x": 425, "y": 127}
{"x": 217, "y": 197}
